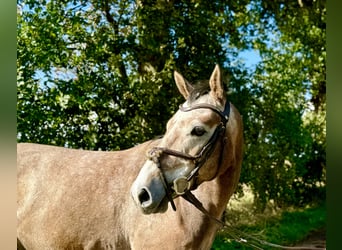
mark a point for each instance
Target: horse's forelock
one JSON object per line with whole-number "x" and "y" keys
{"x": 200, "y": 88}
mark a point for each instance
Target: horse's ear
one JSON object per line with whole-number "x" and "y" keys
{"x": 183, "y": 85}
{"x": 216, "y": 86}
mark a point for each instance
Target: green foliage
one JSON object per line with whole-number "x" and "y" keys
{"x": 98, "y": 75}
{"x": 285, "y": 148}
{"x": 285, "y": 229}
{"x": 283, "y": 144}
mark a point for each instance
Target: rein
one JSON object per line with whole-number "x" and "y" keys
{"x": 237, "y": 235}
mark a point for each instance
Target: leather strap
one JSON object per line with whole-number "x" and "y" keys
{"x": 224, "y": 114}
{"x": 191, "y": 198}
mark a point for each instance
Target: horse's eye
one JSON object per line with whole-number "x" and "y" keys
{"x": 198, "y": 131}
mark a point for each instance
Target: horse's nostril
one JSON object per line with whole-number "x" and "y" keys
{"x": 143, "y": 196}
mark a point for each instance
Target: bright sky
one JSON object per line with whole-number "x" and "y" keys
{"x": 251, "y": 58}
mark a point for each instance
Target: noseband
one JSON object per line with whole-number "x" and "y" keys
{"x": 181, "y": 186}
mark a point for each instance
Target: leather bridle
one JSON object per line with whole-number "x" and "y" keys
{"x": 182, "y": 185}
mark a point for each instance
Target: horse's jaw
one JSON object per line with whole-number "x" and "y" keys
{"x": 154, "y": 188}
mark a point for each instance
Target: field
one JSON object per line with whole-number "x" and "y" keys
{"x": 287, "y": 227}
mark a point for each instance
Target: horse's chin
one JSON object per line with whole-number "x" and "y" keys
{"x": 161, "y": 208}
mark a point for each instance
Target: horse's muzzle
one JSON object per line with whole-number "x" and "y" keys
{"x": 149, "y": 193}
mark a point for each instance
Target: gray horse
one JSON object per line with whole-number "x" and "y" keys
{"x": 79, "y": 199}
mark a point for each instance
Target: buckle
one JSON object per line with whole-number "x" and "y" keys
{"x": 181, "y": 185}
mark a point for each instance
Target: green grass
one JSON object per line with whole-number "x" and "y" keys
{"x": 283, "y": 227}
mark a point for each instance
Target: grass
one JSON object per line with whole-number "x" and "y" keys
{"x": 282, "y": 227}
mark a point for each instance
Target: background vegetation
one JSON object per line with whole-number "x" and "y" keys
{"x": 291, "y": 226}
{"x": 98, "y": 75}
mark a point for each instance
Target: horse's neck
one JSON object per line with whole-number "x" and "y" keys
{"x": 198, "y": 228}
{"x": 214, "y": 195}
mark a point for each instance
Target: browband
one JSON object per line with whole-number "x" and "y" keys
{"x": 224, "y": 114}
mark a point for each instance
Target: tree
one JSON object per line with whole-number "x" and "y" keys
{"x": 98, "y": 75}
{"x": 104, "y": 63}
{"x": 286, "y": 138}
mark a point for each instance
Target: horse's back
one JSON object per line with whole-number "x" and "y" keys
{"x": 67, "y": 198}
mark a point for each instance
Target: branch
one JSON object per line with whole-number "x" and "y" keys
{"x": 300, "y": 3}
{"x": 110, "y": 19}
{"x": 115, "y": 25}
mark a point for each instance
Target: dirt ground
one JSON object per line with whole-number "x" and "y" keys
{"x": 315, "y": 240}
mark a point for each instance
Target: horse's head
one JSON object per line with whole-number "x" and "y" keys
{"x": 191, "y": 149}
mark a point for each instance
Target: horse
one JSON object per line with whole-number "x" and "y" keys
{"x": 166, "y": 193}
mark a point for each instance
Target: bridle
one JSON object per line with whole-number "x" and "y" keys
{"x": 182, "y": 185}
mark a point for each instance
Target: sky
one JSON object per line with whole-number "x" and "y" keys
{"x": 251, "y": 58}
